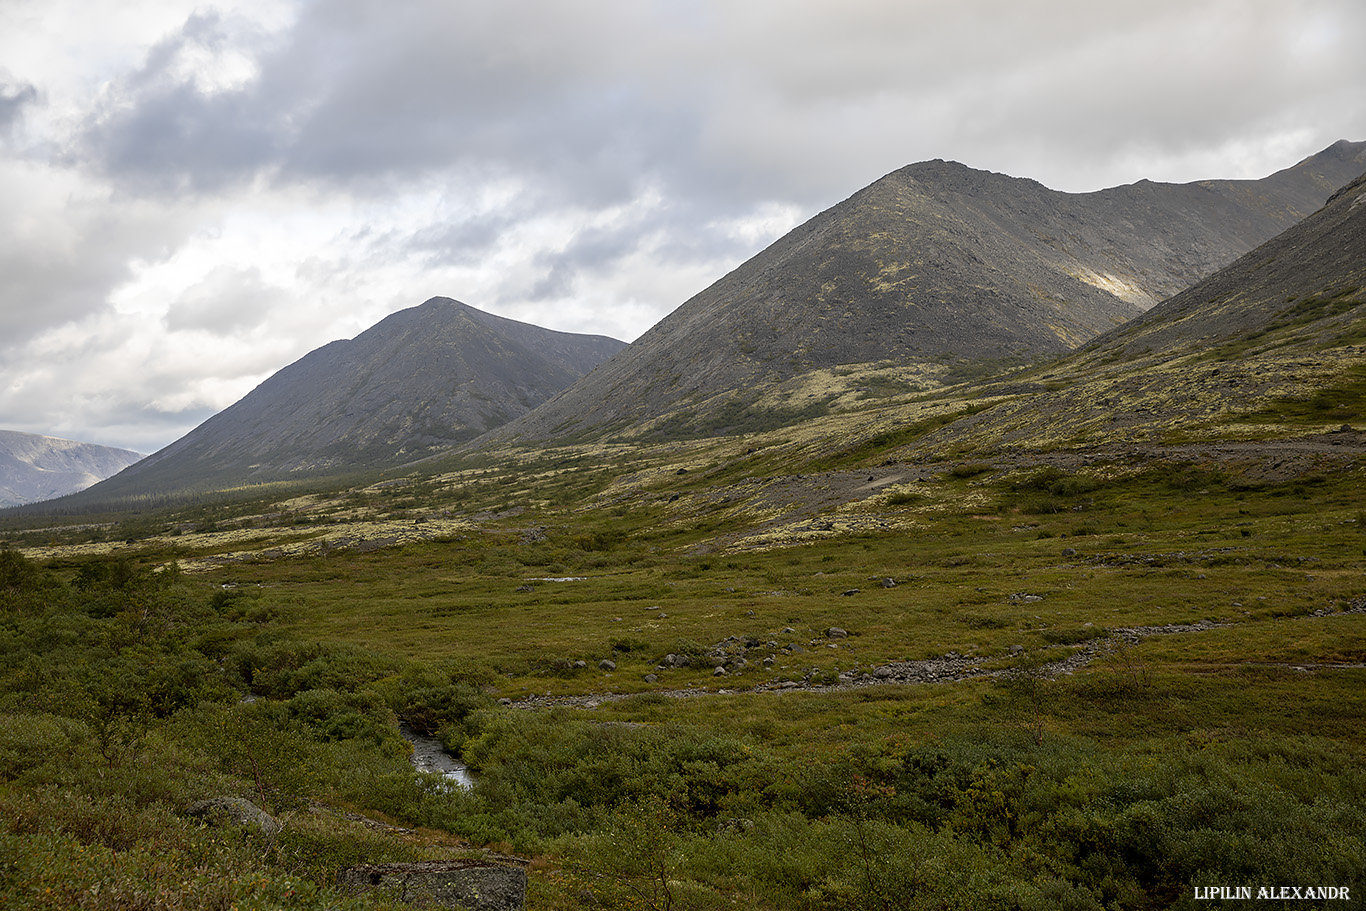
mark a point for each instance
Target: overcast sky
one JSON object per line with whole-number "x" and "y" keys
{"x": 193, "y": 195}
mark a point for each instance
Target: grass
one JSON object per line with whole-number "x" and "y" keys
{"x": 987, "y": 786}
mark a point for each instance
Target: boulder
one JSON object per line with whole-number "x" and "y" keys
{"x": 607, "y": 665}
{"x": 234, "y": 811}
{"x": 472, "y": 885}
{"x": 835, "y": 632}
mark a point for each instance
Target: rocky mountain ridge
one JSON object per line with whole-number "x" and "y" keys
{"x": 937, "y": 263}
{"x": 35, "y": 468}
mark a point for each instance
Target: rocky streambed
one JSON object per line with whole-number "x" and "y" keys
{"x": 949, "y": 668}
{"x": 429, "y": 755}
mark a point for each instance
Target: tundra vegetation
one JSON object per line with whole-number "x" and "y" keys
{"x": 1159, "y": 675}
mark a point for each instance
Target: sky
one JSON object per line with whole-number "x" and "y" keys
{"x": 195, "y": 194}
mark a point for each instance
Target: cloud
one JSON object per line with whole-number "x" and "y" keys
{"x": 13, "y": 100}
{"x": 229, "y": 301}
{"x": 197, "y": 199}
{"x": 66, "y": 243}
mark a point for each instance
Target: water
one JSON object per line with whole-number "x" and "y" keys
{"x": 430, "y": 756}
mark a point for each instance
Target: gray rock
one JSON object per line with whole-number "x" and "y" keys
{"x": 234, "y": 811}
{"x": 473, "y": 885}
{"x": 889, "y": 583}
{"x": 651, "y": 678}
{"x": 607, "y": 665}
{"x": 737, "y": 825}
{"x": 581, "y": 663}
{"x": 835, "y": 632}
{"x": 719, "y": 672}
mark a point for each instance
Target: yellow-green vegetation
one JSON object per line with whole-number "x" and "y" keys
{"x": 1072, "y": 679}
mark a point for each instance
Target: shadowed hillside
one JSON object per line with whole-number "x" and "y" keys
{"x": 418, "y": 381}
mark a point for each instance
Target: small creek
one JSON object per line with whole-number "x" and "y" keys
{"x": 430, "y": 756}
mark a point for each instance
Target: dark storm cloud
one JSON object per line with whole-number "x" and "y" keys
{"x": 799, "y": 102}
{"x": 363, "y": 92}
{"x": 163, "y": 129}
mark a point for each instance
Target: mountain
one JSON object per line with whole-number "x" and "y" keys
{"x": 936, "y": 263}
{"x": 34, "y": 468}
{"x": 419, "y": 381}
{"x": 1272, "y": 347}
{"x": 1312, "y": 271}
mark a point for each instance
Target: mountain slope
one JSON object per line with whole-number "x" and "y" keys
{"x": 418, "y": 381}
{"x": 1271, "y": 347}
{"x": 34, "y": 468}
{"x": 937, "y": 263}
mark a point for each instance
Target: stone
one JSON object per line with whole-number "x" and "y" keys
{"x": 651, "y": 678}
{"x": 850, "y": 592}
{"x": 889, "y": 583}
{"x": 718, "y": 672}
{"x": 835, "y": 632}
{"x": 735, "y": 825}
{"x": 472, "y": 885}
{"x": 607, "y": 664}
{"x": 234, "y": 811}
{"x": 580, "y": 663}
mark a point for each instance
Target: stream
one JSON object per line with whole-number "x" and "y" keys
{"x": 430, "y": 756}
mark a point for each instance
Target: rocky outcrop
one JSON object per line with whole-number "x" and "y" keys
{"x": 234, "y": 811}
{"x": 470, "y": 885}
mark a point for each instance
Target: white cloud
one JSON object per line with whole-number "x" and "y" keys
{"x": 198, "y": 193}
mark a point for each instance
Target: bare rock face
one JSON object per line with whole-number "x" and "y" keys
{"x": 471, "y": 885}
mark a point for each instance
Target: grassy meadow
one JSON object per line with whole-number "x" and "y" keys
{"x": 1147, "y": 669}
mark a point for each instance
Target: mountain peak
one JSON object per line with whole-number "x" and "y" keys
{"x": 417, "y": 382}
{"x": 932, "y": 264}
